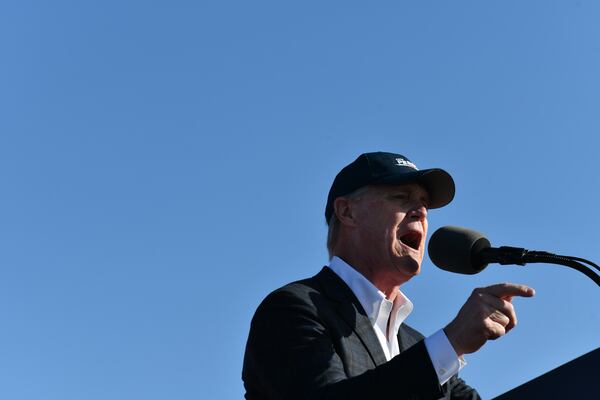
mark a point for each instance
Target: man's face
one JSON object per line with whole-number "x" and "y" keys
{"x": 391, "y": 224}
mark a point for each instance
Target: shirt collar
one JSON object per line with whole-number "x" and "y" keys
{"x": 373, "y": 300}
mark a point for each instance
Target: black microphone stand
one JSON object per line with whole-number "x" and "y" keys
{"x": 506, "y": 255}
{"x": 567, "y": 261}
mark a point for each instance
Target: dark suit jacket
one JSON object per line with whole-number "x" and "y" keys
{"x": 311, "y": 339}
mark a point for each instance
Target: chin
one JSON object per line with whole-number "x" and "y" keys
{"x": 408, "y": 266}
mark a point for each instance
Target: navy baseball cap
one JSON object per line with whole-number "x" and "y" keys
{"x": 390, "y": 169}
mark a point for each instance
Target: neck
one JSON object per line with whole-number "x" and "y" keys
{"x": 371, "y": 271}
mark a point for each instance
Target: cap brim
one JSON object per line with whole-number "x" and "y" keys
{"x": 438, "y": 183}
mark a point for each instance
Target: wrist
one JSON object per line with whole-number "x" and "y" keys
{"x": 454, "y": 339}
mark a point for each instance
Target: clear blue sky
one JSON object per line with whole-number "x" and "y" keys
{"x": 165, "y": 164}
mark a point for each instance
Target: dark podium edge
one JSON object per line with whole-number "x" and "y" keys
{"x": 576, "y": 379}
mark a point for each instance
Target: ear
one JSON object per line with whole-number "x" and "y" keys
{"x": 344, "y": 211}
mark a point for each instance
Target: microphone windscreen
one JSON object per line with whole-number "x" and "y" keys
{"x": 457, "y": 249}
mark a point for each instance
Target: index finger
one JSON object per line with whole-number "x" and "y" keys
{"x": 509, "y": 289}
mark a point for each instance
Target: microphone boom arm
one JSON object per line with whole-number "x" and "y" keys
{"x": 572, "y": 262}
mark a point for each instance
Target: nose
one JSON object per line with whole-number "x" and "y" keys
{"x": 419, "y": 212}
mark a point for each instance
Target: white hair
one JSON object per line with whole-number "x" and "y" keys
{"x": 334, "y": 222}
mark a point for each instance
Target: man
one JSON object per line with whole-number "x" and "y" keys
{"x": 341, "y": 334}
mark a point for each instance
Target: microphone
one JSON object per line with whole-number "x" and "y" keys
{"x": 466, "y": 251}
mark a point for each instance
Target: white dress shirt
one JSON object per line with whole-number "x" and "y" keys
{"x": 386, "y": 318}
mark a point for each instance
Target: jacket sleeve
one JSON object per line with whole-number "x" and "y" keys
{"x": 291, "y": 354}
{"x": 455, "y": 388}
{"x": 459, "y": 390}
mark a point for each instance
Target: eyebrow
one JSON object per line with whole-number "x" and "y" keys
{"x": 425, "y": 197}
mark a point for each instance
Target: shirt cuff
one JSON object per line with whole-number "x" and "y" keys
{"x": 445, "y": 361}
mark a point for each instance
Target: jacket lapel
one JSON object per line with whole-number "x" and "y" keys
{"x": 405, "y": 339}
{"x": 352, "y": 312}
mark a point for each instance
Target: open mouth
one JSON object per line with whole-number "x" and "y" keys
{"x": 412, "y": 239}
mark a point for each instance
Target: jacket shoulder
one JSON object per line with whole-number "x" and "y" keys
{"x": 305, "y": 292}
